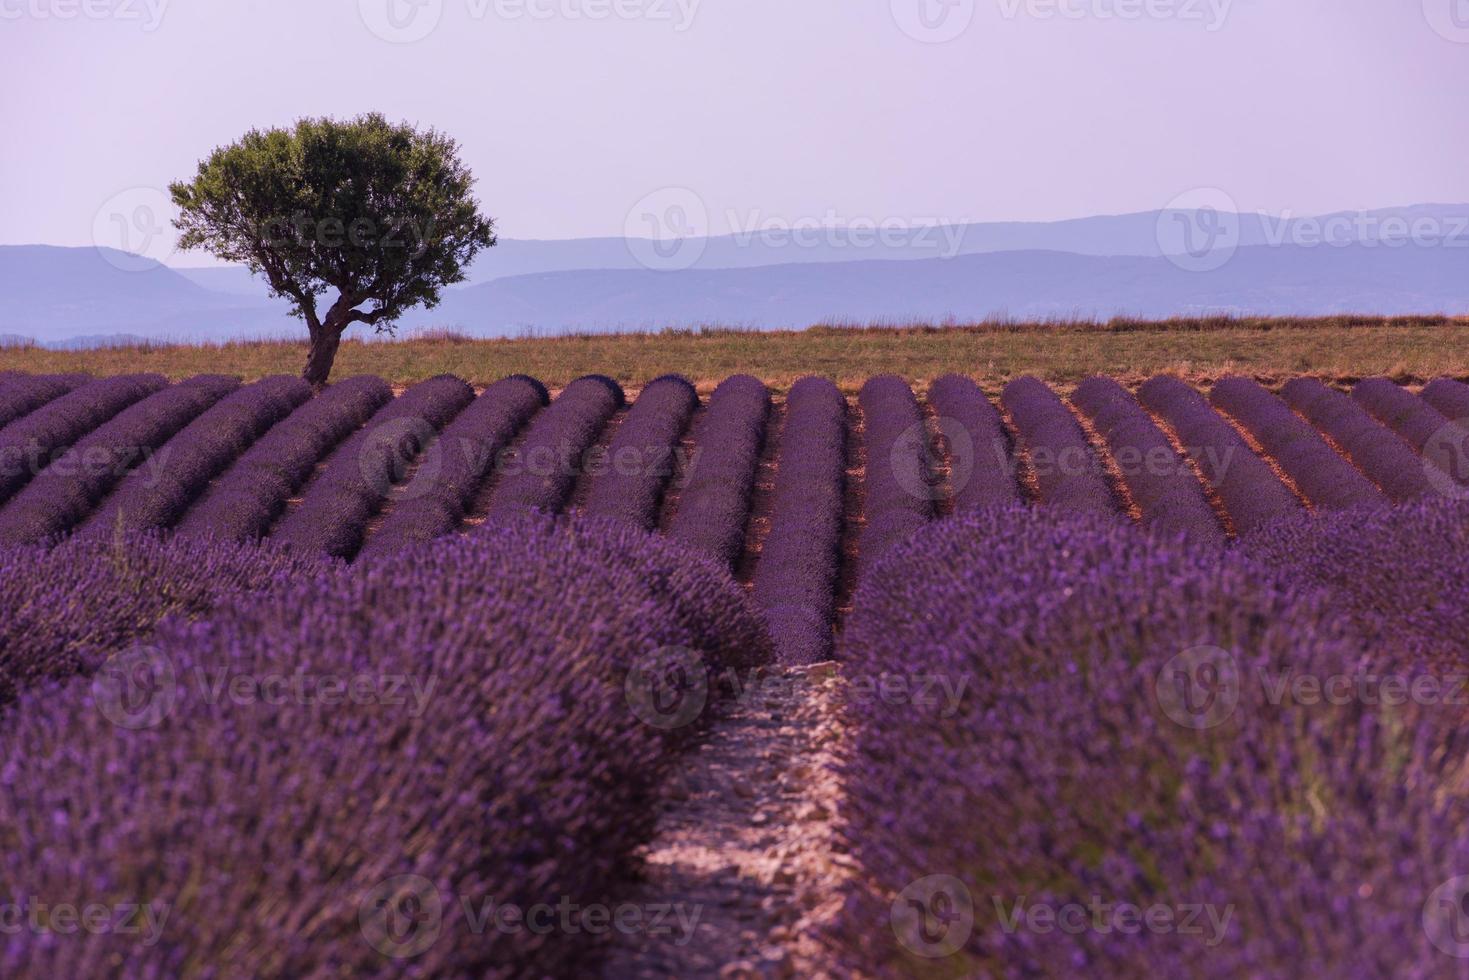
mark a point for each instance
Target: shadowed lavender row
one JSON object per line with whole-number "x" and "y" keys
{"x": 898, "y": 487}
{"x": 1440, "y": 439}
{"x": 1378, "y": 452}
{"x": 1327, "y": 480}
{"x": 1066, "y": 467}
{"x": 1160, "y": 481}
{"x": 468, "y": 450}
{"x": 640, "y": 457}
{"x": 715, "y": 504}
{"x": 1252, "y": 493}
{"x": 252, "y": 493}
{"x": 539, "y": 474}
{"x": 982, "y": 465}
{"x": 337, "y": 504}
{"x": 29, "y": 443}
{"x": 63, "y": 494}
{"x": 21, "y": 394}
{"x": 796, "y": 576}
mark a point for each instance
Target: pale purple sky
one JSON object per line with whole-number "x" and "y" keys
{"x": 570, "y": 112}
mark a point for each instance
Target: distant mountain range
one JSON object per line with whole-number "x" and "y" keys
{"x": 1402, "y": 260}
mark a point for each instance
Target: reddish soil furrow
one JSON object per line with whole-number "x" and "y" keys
{"x": 687, "y": 446}
{"x": 762, "y": 497}
{"x": 942, "y": 463}
{"x": 1270, "y": 461}
{"x": 587, "y": 464}
{"x": 853, "y": 520}
{"x": 1121, "y": 493}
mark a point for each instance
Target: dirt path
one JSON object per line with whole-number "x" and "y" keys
{"x": 745, "y": 836}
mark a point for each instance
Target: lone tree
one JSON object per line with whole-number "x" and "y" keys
{"x": 380, "y": 213}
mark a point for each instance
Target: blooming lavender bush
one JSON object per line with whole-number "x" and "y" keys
{"x": 796, "y": 576}
{"x": 459, "y": 461}
{"x": 29, "y": 443}
{"x": 640, "y": 457}
{"x": 1161, "y": 482}
{"x": 539, "y": 474}
{"x": 1449, "y": 397}
{"x": 1066, "y": 467}
{"x": 68, "y": 490}
{"x": 63, "y": 610}
{"x": 898, "y": 487}
{"x": 338, "y": 503}
{"x": 1250, "y": 490}
{"x": 252, "y": 492}
{"x": 367, "y": 834}
{"x": 982, "y": 467}
{"x": 1327, "y": 480}
{"x": 715, "y": 504}
{"x": 1117, "y": 743}
{"x": 21, "y": 394}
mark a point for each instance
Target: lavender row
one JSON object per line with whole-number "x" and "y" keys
{"x": 898, "y": 488}
{"x": 796, "y": 576}
{"x": 251, "y": 493}
{"x": 715, "y": 504}
{"x": 1378, "y": 452}
{"x": 64, "y": 610}
{"x": 28, "y": 444}
{"x": 1066, "y": 467}
{"x": 1095, "y": 724}
{"x": 1327, "y": 480}
{"x": 1440, "y": 440}
{"x": 132, "y": 443}
{"x": 469, "y": 449}
{"x": 22, "y": 394}
{"x": 200, "y": 453}
{"x": 338, "y": 503}
{"x": 981, "y": 461}
{"x": 1251, "y": 492}
{"x": 1449, "y": 397}
{"x": 1160, "y": 481}
{"x": 539, "y": 474}
{"x": 500, "y": 744}
{"x": 640, "y": 459}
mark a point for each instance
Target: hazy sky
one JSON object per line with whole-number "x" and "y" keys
{"x": 571, "y": 112}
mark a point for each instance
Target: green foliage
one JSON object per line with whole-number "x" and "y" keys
{"x": 381, "y": 213}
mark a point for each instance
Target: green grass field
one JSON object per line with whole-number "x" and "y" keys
{"x": 1408, "y": 349}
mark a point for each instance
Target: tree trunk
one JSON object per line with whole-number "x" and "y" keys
{"x": 324, "y": 343}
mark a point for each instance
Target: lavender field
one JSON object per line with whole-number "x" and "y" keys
{"x": 935, "y": 681}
